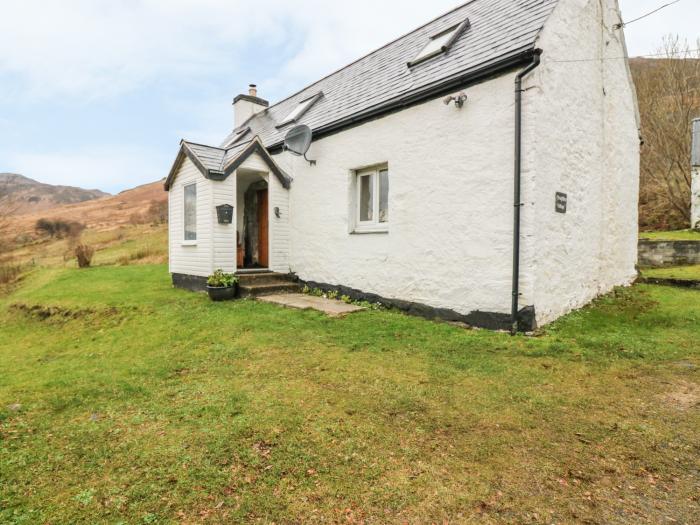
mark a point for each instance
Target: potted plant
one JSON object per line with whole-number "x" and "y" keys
{"x": 222, "y": 286}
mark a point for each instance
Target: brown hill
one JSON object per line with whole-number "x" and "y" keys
{"x": 106, "y": 213}
{"x": 26, "y": 195}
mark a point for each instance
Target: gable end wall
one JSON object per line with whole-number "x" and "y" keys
{"x": 581, "y": 138}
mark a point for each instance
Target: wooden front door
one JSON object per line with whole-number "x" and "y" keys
{"x": 263, "y": 235}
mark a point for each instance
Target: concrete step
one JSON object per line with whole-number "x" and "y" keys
{"x": 260, "y": 289}
{"x": 249, "y": 279}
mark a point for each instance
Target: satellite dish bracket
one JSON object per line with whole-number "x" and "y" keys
{"x": 298, "y": 141}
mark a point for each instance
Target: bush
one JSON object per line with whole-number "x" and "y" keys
{"x": 9, "y": 271}
{"x": 158, "y": 212}
{"x": 219, "y": 279}
{"x": 59, "y": 228}
{"x": 138, "y": 255}
{"x": 84, "y": 254}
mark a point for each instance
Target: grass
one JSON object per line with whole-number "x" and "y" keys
{"x": 680, "y": 235}
{"x": 123, "y": 245}
{"x": 124, "y": 400}
{"x": 683, "y": 273}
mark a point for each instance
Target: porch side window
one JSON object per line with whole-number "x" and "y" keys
{"x": 372, "y": 199}
{"x": 191, "y": 212}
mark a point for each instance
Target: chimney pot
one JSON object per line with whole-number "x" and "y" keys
{"x": 253, "y": 90}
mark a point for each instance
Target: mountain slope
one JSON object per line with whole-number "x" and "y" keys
{"x": 27, "y": 195}
{"x": 105, "y": 213}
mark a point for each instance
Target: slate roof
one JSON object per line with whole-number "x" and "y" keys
{"x": 218, "y": 163}
{"x": 500, "y": 32}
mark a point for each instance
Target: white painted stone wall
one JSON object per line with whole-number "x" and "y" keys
{"x": 581, "y": 139}
{"x": 450, "y": 204}
{"x": 449, "y": 242}
{"x": 695, "y": 192}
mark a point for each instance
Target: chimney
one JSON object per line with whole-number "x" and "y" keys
{"x": 245, "y": 106}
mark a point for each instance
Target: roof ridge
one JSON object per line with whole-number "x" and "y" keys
{"x": 408, "y": 33}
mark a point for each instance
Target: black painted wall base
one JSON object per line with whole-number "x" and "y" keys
{"x": 488, "y": 320}
{"x": 193, "y": 283}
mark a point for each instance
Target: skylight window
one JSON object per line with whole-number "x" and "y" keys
{"x": 237, "y": 135}
{"x": 299, "y": 111}
{"x": 440, "y": 43}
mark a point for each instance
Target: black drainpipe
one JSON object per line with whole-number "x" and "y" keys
{"x": 516, "y": 196}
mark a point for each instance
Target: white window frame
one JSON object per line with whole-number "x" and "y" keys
{"x": 185, "y": 241}
{"x": 445, "y": 39}
{"x": 371, "y": 226}
{"x": 300, "y": 110}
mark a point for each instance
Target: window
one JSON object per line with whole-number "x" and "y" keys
{"x": 191, "y": 212}
{"x": 237, "y": 135}
{"x": 301, "y": 108}
{"x": 372, "y": 200}
{"x": 440, "y": 43}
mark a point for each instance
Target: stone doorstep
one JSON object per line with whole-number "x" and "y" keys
{"x": 330, "y": 307}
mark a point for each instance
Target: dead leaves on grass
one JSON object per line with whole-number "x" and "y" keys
{"x": 684, "y": 396}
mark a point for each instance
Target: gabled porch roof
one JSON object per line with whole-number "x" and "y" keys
{"x": 218, "y": 163}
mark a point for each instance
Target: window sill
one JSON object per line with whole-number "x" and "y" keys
{"x": 369, "y": 231}
{"x": 189, "y": 243}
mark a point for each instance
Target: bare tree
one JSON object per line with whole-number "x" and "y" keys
{"x": 668, "y": 89}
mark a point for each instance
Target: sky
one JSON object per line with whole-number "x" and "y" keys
{"x": 98, "y": 93}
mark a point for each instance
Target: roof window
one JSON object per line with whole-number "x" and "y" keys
{"x": 237, "y": 135}
{"x": 440, "y": 43}
{"x": 300, "y": 110}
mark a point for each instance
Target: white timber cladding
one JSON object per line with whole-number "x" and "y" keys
{"x": 216, "y": 244}
{"x": 224, "y": 255}
{"x": 581, "y": 138}
{"x": 279, "y": 226}
{"x": 190, "y": 257}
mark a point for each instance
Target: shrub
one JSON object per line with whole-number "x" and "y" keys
{"x": 141, "y": 253}
{"x": 136, "y": 218}
{"x": 157, "y": 212}
{"x": 219, "y": 279}
{"x": 9, "y": 271}
{"x": 84, "y": 254}
{"x": 59, "y": 228}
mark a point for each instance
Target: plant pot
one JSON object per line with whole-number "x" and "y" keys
{"x": 222, "y": 294}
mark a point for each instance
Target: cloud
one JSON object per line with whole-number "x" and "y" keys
{"x": 94, "y": 49}
{"x": 108, "y": 170}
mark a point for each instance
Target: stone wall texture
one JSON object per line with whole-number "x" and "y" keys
{"x": 659, "y": 254}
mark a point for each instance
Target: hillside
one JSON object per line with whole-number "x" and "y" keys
{"x": 668, "y": 91}
{"x": 105, "y": 213}
{"x": 27, "y": 195}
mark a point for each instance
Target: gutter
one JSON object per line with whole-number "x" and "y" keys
{"x": 436, "y": 90}
{"x": 517, "y": 186}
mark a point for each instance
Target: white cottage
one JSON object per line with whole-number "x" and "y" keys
{"x": 483, "y": 168}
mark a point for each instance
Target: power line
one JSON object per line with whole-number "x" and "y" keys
{"x": 625, "y": 24}
{"x": 667, "y": 55}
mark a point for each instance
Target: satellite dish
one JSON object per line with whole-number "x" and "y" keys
{"x": 298, "y": 141}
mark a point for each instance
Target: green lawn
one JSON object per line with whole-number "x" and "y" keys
{"x": 123, "y": 400}
{"x": 680, "y": 235}
{"x": 683, "y": 273}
